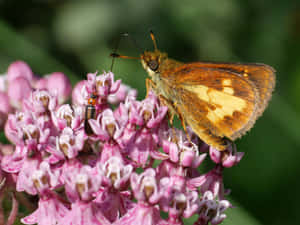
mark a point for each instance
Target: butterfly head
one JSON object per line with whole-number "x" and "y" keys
{"x": 151, "y": 61}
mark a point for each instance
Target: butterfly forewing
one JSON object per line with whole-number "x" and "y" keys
{"x": 225, "y": 102}
{"x": 262, "y": 75}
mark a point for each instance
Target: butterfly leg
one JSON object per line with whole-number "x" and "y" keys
{"x": 150, "y": 86}
{"x": 183, "y": 124}
{"x": 169, "y": 104}
{"x": 171, "y": 113}
{"x": 231, "y": 144}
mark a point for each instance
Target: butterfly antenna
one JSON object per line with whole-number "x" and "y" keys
{"x": 133, "y": 41}
{"x": 153, "y": 40}
{"x": 116, "y": 55}
{"x": 115, "y": 50}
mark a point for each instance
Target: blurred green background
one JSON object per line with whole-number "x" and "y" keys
{"x": 77, "y": 37}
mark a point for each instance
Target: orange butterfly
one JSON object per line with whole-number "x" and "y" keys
{"x": 217, "y": 100}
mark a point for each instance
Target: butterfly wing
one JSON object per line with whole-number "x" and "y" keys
{"x": 263, "y": 77}
{"x": 219, "y": 101}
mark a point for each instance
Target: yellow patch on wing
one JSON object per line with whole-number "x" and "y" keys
{"x": 227, "y": 86}
{"x": 228, "y": 90}
{"x": 225, "y": 103}
{"x": 226, "y": 82}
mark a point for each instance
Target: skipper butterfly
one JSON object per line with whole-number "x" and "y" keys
{"x": 217, "y": 100}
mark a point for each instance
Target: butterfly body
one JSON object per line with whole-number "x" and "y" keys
{"x": 217, "y": 100}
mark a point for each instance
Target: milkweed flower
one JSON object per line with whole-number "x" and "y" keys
{"x": 114, "y": 199}
{"x": 123, "y": 164}
{"x": 227, "y": 158}
{"x": 5, "y": 108}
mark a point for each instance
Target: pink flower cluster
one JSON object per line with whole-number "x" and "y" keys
{"x": 107, "y": 158}
{"x": 19, "y": 82}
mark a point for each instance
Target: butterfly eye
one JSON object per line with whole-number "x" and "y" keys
{"x": 153, "y": 64}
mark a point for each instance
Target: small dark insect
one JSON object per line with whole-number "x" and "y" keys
{"x": 90, "y": 113}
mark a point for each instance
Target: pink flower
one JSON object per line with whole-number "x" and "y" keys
{"x": 78, "y": 97}
{"x": 149, "y": 115}
{"x": 127, "y": 168}
{"x": 6, "y": 149}
{"x": 227, "y": 158}
{"x": 110, "y": 149}
{"x": 5, "y": 108}
{"x": 44, "y": 178}
{"x": 12, "y": 163}
{"x": 80, "y": 183}
{"x": 111, "y": 200}
{"x": 121, "y": 94}
{"x": 141, "y": 148}
{"x": 141, "y": 214}
{"x": 59, "y": 85}
{"x": 41, "y": 83}
{"x": 23, "y": 128}
{"x": 13, "y": 127}
{"x": 211, "y": 181}
{"x": 106, "y": 126}
{"x": 19, "y": 69}
{"x": 40, "y": 102}
{"x": 25, "y": 181}
{"x": 184, "y": 152}
{"x": 50, "y": 211}
{"x": 113, "y": 204}
{"x": 145, "y": 187}
{"x": 70, "y": 142}
{"x": 84, "y": 213}
{"x": 177, "y": 199}
{"x": 65, "y": 116}
{"x": 114, "y": 171}
{"x": 106, "y": 85}
{"x": 147, "y": 112}
{"x": 18, "y": 90}
{"x": 211, "y": 210}
{"x": 123, "y": 112}
{"x": 100, "y": 86}
{"x": 91, "y": 82}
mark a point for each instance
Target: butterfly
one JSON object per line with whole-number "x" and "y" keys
{"x": 219, "y": 101}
